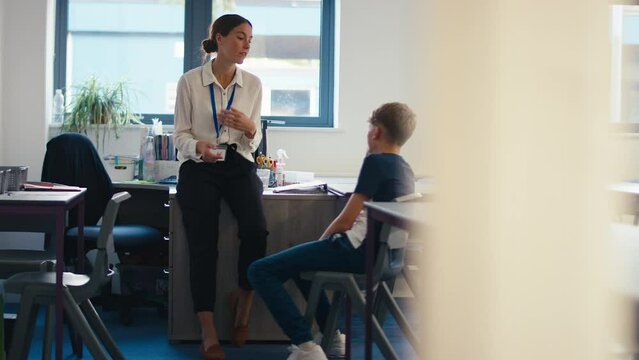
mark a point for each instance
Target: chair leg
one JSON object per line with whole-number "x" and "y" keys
{"x": 399, "y": 317}
{"x": 49, "y": 321}
{"x": 331, "y": 320}
{"x": 382, "y": 342}
{"x": 359, "y": 304}
{"x": 82, "y": 326}
{"x": 125, "y": 305}
{"x": 23, "y": 330}
{"x": 101, "y": 330}
{"x": 76, "y": 340}
{"x": 379, "y": 306}
{"x": 313, "y": 300}
{"x": 47, "y": 341}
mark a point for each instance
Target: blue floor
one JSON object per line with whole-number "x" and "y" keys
{"x": 147, "y": 339}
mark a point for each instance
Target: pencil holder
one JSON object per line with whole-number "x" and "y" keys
{"x": 17, "y": 175}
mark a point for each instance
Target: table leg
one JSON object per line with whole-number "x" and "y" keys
{"x": 370, "y": 241}
{"x": 2, "y": 353}
{"x": 59, "y": 269}
{"x": 80, "y": 251}
{"x": 349, "y": 327}
{"x": 80, "y": 243}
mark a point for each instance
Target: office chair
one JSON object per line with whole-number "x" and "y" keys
{"x": 72, "y": 159}
{"x": 39, "y": 287}
{"x": 389, "y": 262}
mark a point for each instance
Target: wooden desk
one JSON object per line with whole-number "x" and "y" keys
{"x": 45, "y": 211}
{"x": 407, "y": 215}
{"x": 291, "y": 219}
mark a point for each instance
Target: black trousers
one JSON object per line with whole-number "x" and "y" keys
{"x": 200, "y": 189}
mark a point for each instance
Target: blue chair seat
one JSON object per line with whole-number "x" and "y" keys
{"x": 125, "y": 237}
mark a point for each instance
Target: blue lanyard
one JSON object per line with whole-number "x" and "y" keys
{"x": 228, "y": 107}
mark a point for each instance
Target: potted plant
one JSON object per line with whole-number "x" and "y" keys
{"x": 105, "y": 106}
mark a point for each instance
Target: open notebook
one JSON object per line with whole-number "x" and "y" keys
{"x": 48, "y": 186}
{"x": 315, "y": 186}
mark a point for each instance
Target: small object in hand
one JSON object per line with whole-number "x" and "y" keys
{"x": 219, "y": 150}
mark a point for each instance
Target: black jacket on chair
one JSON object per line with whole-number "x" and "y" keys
{"x": 71, "y": 159}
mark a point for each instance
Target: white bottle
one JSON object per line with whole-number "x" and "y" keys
{"x": 149, "y": 159}
{"x": 279, "y": 170}
{"x": 279, "y": 174}
{"x": 58, "y": 107}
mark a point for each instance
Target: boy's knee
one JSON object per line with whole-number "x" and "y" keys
{"x": 256, "y": 271}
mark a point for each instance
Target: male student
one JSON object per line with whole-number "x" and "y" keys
{"x": 384, "y": 176}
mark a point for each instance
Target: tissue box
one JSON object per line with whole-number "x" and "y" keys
{"x": 166, "y": 168}
{"x": 123, "y": 171}
{"x": 296, "y": 177}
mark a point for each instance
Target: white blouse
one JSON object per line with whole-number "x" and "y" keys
{"x": 194, "y": 112}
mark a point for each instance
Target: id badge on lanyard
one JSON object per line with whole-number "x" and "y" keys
{"x": 220, "y": 150}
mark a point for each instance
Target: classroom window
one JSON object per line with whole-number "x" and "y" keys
{"x": 625, "y": 67}
{"x": 150, "y": 43}
{"x": 291, "y": 102}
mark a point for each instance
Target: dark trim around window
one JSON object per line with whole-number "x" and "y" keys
{"x": 60, "y": 51}
{"x": 197, "y": 19}
{"x": 327, "y": 84}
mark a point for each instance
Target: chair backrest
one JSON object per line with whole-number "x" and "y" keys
{"x": 100, "y": 273}
{"x": 72, "y": 159}
{"x": 392, "y": 246}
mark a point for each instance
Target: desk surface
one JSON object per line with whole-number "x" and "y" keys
{"x": 346, "y": 185}
{"x": 337, "y": 185}
{"x": 39, "y": 197}
{"x": 413, "y": 213}
{"x": 268, "y": 193}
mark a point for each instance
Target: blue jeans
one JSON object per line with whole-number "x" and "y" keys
{"x": 267, "y": 275}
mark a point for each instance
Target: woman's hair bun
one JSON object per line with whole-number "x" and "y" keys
{"x": 209, "y": 46}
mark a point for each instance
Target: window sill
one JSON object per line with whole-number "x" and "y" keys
{"x": 170, "y": 128}
{"x": 304, "y": 129}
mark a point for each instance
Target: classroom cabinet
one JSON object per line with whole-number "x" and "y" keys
{"x": 291, "y": 219}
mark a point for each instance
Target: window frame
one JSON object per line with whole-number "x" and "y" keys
{"x": 616, "y": 123}
{"x": 198, "y": 16}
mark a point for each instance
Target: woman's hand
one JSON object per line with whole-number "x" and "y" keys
{"x": 237, "y": 120}
{"x": 207, "y": 150}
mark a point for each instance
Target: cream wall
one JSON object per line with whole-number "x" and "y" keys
{"x": 26, "y": 81}
{"x": 517, "y": 241}
{"x": 373, "y": 61}
{"x": 375, "y": 65}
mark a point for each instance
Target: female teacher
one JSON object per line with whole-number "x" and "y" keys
{"x": 217, "y": 127}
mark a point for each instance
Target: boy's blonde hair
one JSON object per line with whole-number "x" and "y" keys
{"x": 398, "y": 121}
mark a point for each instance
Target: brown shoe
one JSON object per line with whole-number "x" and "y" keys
{"x": 239, "y": 333}
{"x": 213, "y": 352}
